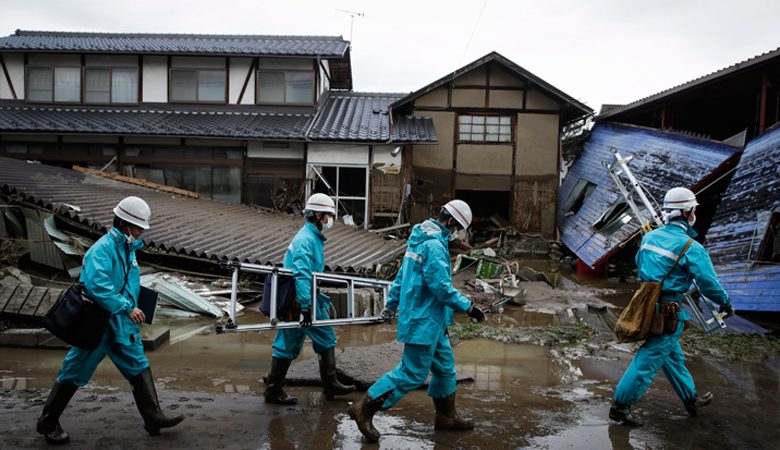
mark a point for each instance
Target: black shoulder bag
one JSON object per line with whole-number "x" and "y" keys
{"x": 77, "y": 319}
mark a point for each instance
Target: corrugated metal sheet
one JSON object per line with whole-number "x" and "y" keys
{"x": 194, "y": 227}
{"x": 662, "y": 160}
{"x": 358, "y": 116}
{"x": 172, "y": 44}
{"x": 739, "y": 225}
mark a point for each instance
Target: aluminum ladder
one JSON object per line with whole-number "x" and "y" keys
{"x": 351, "y": 283}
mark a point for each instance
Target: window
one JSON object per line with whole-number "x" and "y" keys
{"x": 285, "y": 87}
{"x": 770, "y": 246}
{"x": 103, "y": 86}
{"x": 613, "y": 218}
{"x": 484, "y": 128}
{"x": 347, "y": 185}
{"x": 58, "y": 84}
{"x": 206, "y": 86}
{"x": 579, "y": 194}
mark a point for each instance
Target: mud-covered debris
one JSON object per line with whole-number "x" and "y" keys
{"x": 733, "y": 347}
{"x": 543, "y": 335}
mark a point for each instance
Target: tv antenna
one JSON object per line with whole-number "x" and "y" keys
{"x": 352, "y": 15}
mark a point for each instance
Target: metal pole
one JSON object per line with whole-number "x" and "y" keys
{"x": 635, "y": 184}
{"x": 234, "y": 295}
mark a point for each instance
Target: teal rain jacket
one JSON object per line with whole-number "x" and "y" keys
{"x": 305, "y": 256}
{"x": 103, "y": 275}
{"x": 657, "y": 253}
{"x": 422, "y": 292}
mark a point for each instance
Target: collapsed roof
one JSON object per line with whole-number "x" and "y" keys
{"x": 593, "y": 218}
{"x": 743, "y": 240}
{"x": 200, "y": 228}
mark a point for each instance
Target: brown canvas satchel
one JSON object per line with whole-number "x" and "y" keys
{"x": 637, "y": 318}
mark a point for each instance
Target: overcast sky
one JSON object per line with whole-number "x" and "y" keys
{"x": 598, "y": 51}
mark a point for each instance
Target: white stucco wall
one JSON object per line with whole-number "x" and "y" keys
{"x": 337, "y": 154}
{"x": 155, "y": 79}
{"x": 239, "y": 67}
{"x": 381, "y": 155}
{"x": 260, "y": 149}
{"x": 15, "y": 65}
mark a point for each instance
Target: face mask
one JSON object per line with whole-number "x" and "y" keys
{"x": 692, "y": 220}
{"x": 130, "y": 238}
{"x": 328, "y": 224}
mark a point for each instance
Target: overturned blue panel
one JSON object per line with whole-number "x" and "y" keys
{"x": 661, "y": 160}
{"x": 737, "y": 239}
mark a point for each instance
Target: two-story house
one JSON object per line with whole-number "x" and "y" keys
{"x": 251, "y": 119}
{"x": 499, "y": 147}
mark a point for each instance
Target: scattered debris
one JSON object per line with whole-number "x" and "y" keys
{"x": 175, "y": 292}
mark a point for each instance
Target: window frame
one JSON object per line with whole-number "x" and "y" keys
{"x": 578, "y": 196}
{"x": 197, "y": 71}
{"x": 485, "y": 140}
{"x": 53, "y": 70}
{"x": 284, "y": 72}
{"x": 110, "y": 85}
{"x": 311, "y": 182}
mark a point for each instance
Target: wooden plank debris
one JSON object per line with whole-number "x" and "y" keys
{"x": 137, "y": 181}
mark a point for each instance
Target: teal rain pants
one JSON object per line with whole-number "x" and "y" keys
{"x": 80, "y": 364}
{"x": 657, "y": 352}
{"x": 288, "y": 342}
{"x": 412, "y": 371}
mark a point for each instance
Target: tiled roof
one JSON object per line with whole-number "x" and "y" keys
{"x": 353, "y": 116}
{"x": 661, "y": 160}
{"x": 740, "y": 223}
{"x": 175, "y": 44}
{"x": 95, "y": 120}
{"x": 572, "y": 107}
{"x": 344, "y": 117}
{"x": 198, "y": 228}
{"x": 693, "y": 84}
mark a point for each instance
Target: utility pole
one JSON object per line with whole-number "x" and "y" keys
{"x": 352, "y": 15}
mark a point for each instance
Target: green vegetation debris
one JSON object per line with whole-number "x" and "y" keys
{"x": 545, "y": 335}
{"x": 733, "y": 347}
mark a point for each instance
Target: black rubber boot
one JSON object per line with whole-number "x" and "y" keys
{"x": 275, "y": 381}
{"x": 622, "y": 413}
{"x": 330, "y": 381}
{"x": 49, "y": 422}
{"x": 693, "y": 405}
{"x": 447, "y": 416}
{"x": 362, "y": 412}
{"x": 149, "y": 406}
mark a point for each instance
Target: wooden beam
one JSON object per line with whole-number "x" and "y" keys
{"x": 137, "y": 181}
{"x": 8, "y": 77}
{"x": 762, "y": 105}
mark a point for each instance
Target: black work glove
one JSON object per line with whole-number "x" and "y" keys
{"x": 476, "y": 314}
{"x": 306, "y": 321}
{"x": 728, "y": 309}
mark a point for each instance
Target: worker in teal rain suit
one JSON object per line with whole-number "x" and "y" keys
{"x": 656, "y": 255}
{"x": 111, "y": 277}
{"x": 424, "y": 297}
{"x": 305, "y": 256}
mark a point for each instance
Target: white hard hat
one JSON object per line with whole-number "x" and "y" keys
{"x": 134, "y": 210}
{"x": 460, "y": 211}
{"x": 680, "y": 198}
{"x": 321, "y": 203}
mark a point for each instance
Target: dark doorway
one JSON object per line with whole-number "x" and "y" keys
{"x": 486, "y": 203}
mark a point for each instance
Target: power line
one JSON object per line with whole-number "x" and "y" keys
{"x": 474, "y": 30}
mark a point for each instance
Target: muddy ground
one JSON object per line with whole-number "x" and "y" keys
{"x": 523, "y": 394}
